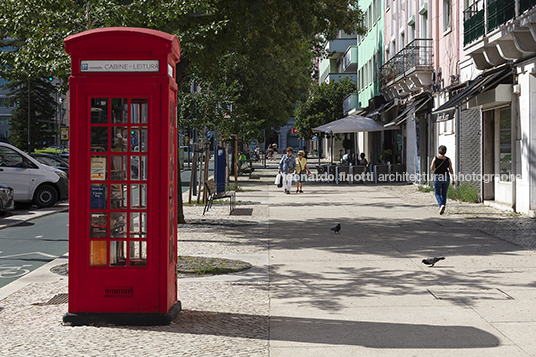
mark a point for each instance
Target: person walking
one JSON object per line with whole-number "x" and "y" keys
{"x": 301, "y": 171}
{"x": 287, "y": 166}
{"x": 442, "y": 166}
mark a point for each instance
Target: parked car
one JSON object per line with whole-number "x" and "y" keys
{"x": 31, "y": 180}
{"x": 54, "y": 161}
{"x": 7, "y": 198}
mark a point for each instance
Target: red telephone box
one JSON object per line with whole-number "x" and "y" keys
{"x": 123, "y": 152}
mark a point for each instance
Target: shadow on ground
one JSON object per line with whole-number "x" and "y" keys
{"x": 380, "y": 335}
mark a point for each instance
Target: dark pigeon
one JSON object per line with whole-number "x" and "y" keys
{"x": 337, "y": 228}
{"x": 432, "y": 260}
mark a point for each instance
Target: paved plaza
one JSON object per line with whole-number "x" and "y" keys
{"x": 311, "y": 292}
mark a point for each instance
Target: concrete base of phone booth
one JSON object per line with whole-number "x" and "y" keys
{"x": 123, "y": 319}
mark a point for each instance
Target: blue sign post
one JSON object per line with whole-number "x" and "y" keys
{"x": 219, "y": 170}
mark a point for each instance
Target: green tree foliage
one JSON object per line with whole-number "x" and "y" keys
{"x": 260, "y": 51}
{"x": 42, "y": 112}
{"x": 323, "y": 105}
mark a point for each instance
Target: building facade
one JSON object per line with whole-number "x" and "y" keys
{"x": 499, "y": 67}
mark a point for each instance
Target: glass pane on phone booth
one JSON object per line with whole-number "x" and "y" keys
{"x": 97, "y": 253}
{"x": 98, "y": 168}
{"x": 118, "y": 196}
{"x": 99, "y": 139}
{"x": 119, "y": 110}
{"x": 99, "y": 110}
{"x": 118, "y": 253}
{"x": 119, "y": 139}
{"x": 138, "y": 139}
{"x": 138, "y": 225}
{"x": 138, "y": 198}
{"x": 118, "y": 225}
{"x": 138, "y": 168}
{"x": 138, "y": 253}
{"x": 98, "y": 225}
{"x": 97, "y": 196}
{"x": 118, "y": 168}
{"x": 138, "y": 108}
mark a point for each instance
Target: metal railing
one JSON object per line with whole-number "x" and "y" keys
{"x": 473, "y": 22}
{"x": 418, "y": 54}
{"x": 485, "y": 16}
{"x": 499, "y": 12}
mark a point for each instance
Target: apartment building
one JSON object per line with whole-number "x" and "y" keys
{"x": 494, "y": 111}
{"x": 421, "y": 65}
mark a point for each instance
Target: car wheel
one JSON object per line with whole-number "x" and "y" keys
{"x": 45, "y": 196}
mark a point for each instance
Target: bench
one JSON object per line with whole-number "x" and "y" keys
{"x": 212, "y": 193}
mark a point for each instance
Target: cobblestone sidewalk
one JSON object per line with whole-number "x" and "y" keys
{"x": 220, "y": 317}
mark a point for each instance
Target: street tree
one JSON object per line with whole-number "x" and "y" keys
{"x": 40, "y": 121}
{"x": 323, "y": 105}
{"x": 271, "y": 39}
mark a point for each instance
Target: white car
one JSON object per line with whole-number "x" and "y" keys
{"x": 32, "y": 181}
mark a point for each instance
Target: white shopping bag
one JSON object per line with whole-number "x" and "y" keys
{"x": 278, "y": 179}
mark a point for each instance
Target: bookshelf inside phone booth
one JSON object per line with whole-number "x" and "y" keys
{"x": 118, "y": 202}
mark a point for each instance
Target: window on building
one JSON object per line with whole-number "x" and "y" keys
{"x": 370, "y": 71}
{"x": 369, "y": 17}
{"x": 424, "y": 26}
{"x": 365, "y": 75}
{"x": 379, "y": 10}
{"x": 411, "y": 33}
{"x": 446, "y": 15}
{"x": 505, "y": 150}
{"x": 374, "y": 69}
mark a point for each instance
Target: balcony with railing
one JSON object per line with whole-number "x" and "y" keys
{"x": 349, "y": 61}
{"x": 409, "y": 70}
{"x": 473, "y": 22}
{"x": 496, "y": 31}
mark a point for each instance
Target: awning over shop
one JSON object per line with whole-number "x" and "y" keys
{"x": 373, "y": 114}
{"x": 480, "y": 84}
{"x": 352, "y": 124}
{"x": 381, "y": 110}
{"x": 415, "y": 106}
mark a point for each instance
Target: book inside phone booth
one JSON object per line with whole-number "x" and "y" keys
{"x": 123, "y": 177}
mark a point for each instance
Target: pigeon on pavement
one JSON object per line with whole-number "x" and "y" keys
{"x": 432, "y": 260}
{"x": 337, "y": 228}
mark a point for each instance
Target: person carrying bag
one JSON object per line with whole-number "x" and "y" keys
{"x": 287, "y": 166}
